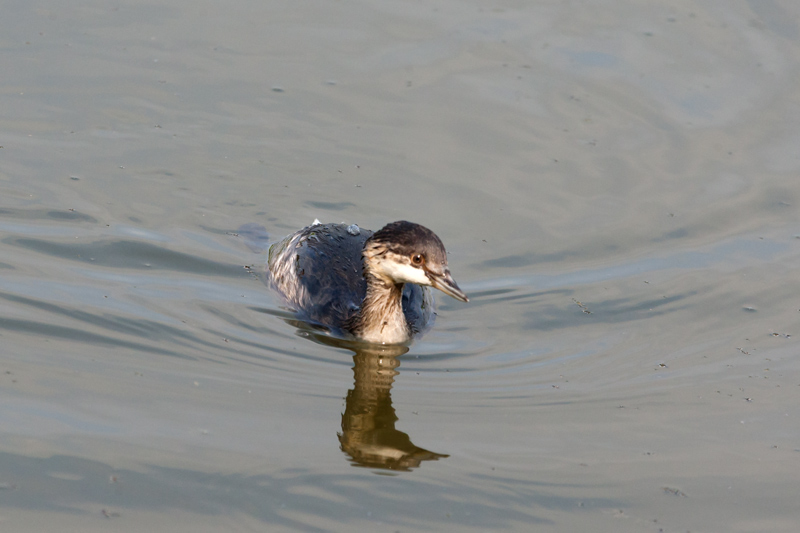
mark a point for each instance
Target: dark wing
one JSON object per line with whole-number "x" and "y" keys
{"x": 418, "y": 307}
{"x": 319, "y": 272}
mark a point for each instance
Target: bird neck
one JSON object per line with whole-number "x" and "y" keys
{"x": 381, "y": 319}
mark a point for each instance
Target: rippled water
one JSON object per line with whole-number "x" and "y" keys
{"x": 616, "y": 184}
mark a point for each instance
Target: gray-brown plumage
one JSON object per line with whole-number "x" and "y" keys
{"x": 372, "y": 286}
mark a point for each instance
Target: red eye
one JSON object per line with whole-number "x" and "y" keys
{"x": 417, "y": 259}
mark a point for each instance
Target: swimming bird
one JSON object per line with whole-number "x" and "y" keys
{"x": 360, "y": 284}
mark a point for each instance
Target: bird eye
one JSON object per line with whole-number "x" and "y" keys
{"x": 417, "y": 259}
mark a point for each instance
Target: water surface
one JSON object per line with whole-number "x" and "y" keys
{"x": 616, "y": 184}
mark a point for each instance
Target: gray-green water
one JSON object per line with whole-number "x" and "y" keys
{"x": 616, "y": 183}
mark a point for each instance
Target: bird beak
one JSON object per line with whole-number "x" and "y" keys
{"x": 446, "y": 284}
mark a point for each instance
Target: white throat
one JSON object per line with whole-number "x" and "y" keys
{"x": 396, "y": 272}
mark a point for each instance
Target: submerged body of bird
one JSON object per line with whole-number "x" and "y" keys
{"x": 356, "y": 283}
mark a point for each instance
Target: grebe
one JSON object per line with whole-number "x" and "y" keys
{"x": 371, "y": 286}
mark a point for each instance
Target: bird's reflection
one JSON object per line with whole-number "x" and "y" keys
{"x": 368, "y": 435}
